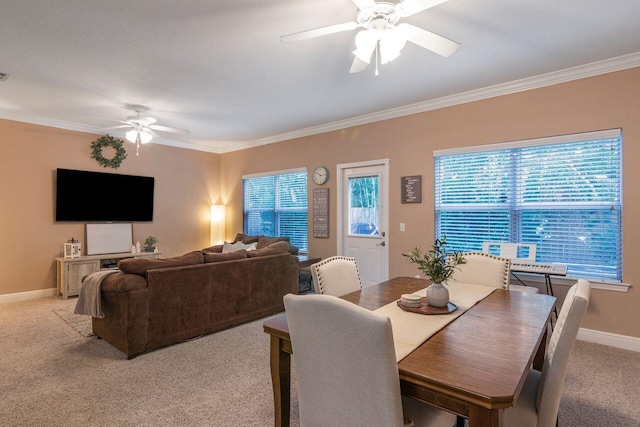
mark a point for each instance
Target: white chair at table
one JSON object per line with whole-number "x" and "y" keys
{"x": 340, "y": 383}
{"x": 539, "y": 400}
{"x": 487, "y": 270}
{"x": 336, "y": 276}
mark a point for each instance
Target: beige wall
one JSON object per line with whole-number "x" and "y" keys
{"x": 603, "y": 102}
{"x": 186, "y": 183}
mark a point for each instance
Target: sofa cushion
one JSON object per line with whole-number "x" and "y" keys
{"x": 245, "y": 238}
{"x": 264, "y": 241}
{"x": 140, "y": 266}
{"x": 228, "y": 256}
{"x": 273, "y": 249}
{"x": 215, "y": 249}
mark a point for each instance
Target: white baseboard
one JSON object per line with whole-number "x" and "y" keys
{"x": 22, "y": 296}
{"x": 607, "y": 338}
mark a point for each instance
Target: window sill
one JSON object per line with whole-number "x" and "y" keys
{"x": 569, "y": 281}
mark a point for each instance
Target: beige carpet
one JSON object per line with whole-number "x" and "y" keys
{"x": 80, "y": 323}
{"x": 50, "y": 375}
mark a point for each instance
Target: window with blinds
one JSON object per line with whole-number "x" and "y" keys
{"x": 276, "y": 205}
{"x": 564, "y": 194}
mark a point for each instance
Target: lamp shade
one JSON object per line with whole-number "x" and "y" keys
{"x": 217, "y": 224}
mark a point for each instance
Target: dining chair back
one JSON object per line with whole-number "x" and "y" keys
{"x": 346, "y": 368}
{"x": 483, "y": 269}
{"x": 540, "y": 397}
{"x": 339, "y": 383}
{"x": 336, "y": 276}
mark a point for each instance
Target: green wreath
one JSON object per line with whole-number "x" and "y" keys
{"x": 108, "y": 141}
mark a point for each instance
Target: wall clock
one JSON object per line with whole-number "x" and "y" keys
{"x": 320, "y": 175}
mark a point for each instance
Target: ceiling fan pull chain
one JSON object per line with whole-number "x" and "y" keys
{"x": 377, "y": 73}
{"x": 138, "y": 144}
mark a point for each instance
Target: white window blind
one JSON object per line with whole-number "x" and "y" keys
{"x": 276, "y": 205}
{"x": 563, "y": 196}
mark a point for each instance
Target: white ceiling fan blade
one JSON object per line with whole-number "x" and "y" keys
{"x": 363, "y": 4}
{"x": 411, "y": 7}
{"x": 428, "y": 40}
{"x": 317, "y": 32}
{"x": 358, "y": 65}
{"x": 148, "y": 120}
{"x": 168, "y": 129}
{"x": 119, "y": 127}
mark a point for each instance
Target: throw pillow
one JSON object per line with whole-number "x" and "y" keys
{"x": 273, "y": 249}
{"x": 140, "y": 266}
{"x": 238, "y": 246}
{"x": 229, "y": 256}
{"x": 245, "y": 238}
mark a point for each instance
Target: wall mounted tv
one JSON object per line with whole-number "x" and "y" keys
{"x": 97, "y": 196}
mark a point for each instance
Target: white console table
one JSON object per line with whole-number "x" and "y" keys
{"x": 72, "y": 270}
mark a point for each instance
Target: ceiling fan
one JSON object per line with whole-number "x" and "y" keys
{"x": 381, "y": 32}
{"x": 143, "y": 128}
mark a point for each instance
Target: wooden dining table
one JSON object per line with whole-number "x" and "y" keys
{"x": 474, "y": 367}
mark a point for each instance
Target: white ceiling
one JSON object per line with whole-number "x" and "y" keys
{"x": 218, "y": 68}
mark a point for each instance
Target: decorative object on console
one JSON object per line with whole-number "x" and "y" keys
{"x": 438, "y": 265}
{"x": 72, "y": 249}
{"x": 150, "y": 243}
{"x": 108, "y": 141}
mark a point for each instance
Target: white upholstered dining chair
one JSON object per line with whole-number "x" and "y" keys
{"x": 487, "y": 270}
{"x": 336, "y": 276}
{"x": 539, "y": 400}
{"x": 346, "y": 366}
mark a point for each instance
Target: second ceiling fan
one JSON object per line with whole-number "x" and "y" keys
{"x": 381, "y": 34}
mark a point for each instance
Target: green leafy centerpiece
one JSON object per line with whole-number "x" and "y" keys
{"x": 438, "y": 265}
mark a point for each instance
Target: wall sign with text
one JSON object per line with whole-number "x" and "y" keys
{"x": 321, "y": 212}
{"x": 411, "y": 189}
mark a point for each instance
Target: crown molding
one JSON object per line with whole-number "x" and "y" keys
{"x": 575, "y": 73}
{"x": 61, "y": 124}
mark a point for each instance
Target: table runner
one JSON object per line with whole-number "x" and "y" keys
{"x": 410, "y": 330}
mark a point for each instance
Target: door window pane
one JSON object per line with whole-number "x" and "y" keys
{"x": 364, "y": 206}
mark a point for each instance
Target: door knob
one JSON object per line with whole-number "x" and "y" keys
{"x": 381, "y": 244}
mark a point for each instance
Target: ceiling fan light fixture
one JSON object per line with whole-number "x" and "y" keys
{"x": 366, "y": 42}
{"x": 392, "y": 42}
{"x": 145, "y": 137}
{"x": 131, "y": 135}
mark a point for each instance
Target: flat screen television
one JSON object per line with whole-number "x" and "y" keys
{"x": 98, "y": 196}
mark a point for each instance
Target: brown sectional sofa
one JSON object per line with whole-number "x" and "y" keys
{"x": 155, "y": 303}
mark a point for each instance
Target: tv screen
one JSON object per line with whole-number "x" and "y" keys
{"x": 97, "y": 196}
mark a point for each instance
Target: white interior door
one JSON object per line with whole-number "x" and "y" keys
{"x": 363, "y": 218}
